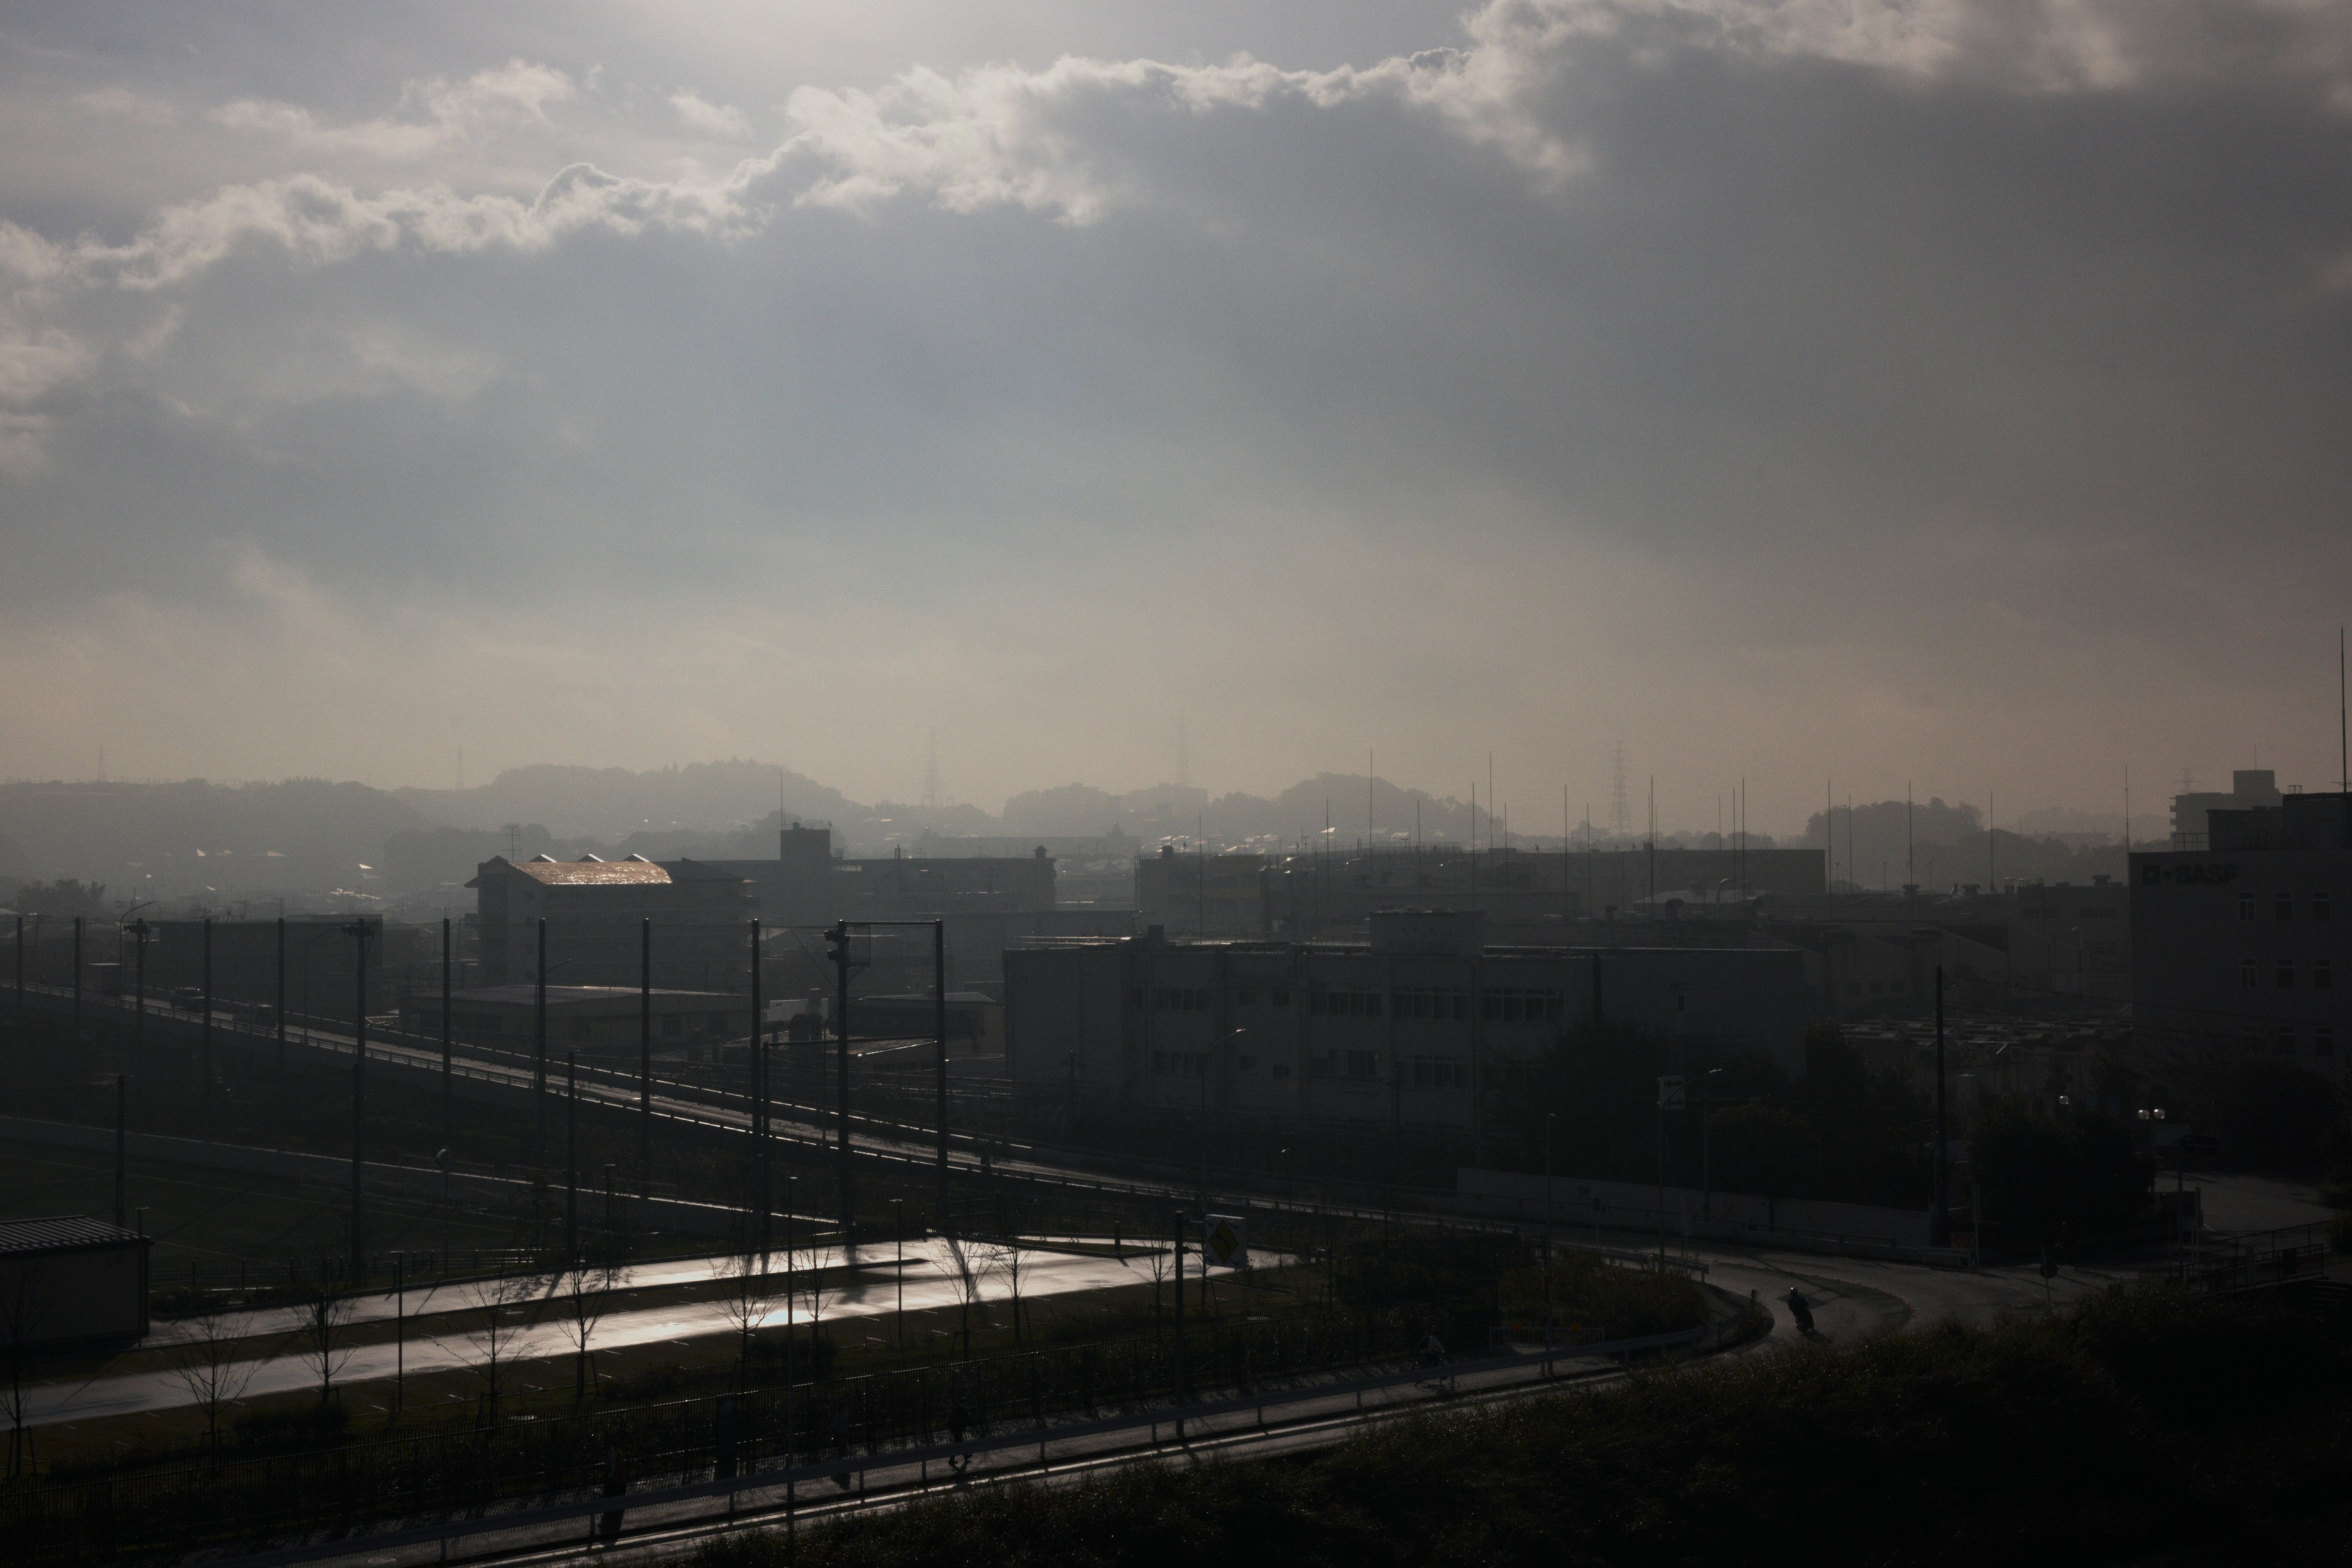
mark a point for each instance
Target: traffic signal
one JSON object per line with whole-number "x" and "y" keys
{"x": 836, "y": 945}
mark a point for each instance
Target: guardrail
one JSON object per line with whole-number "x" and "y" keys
{"x": 790, "y": 1476}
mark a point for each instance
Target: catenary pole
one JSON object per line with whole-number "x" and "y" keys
{"x": 645, "y": 1057}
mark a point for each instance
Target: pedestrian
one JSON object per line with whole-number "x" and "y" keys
{"x": 958, "y": 1423}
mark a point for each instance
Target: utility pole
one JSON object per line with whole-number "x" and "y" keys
{"x": 538, "y": 1057}
{"x": 1939, "y": 1230}
{"x": 358, "y": 932}
{"x": 208, "y": 1012}
{"x": 760, "y": 1173}
{"x": 121, "y": 1119}
{"x": 1182, "y": 1388}
{"x": 571, "y": 1159}
{"x": 280, "y": 1014}
{"x": 646, "y": 1059}
{"x": 838, "y": 940}
{"x": 448, "y": 1084}
{"x": 940, "y": 1062}
{"x": 77, "y": 979}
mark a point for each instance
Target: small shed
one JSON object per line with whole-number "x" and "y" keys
{"x": 70, "y": 1280}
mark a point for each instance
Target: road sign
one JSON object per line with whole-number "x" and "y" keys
{"x": 1670, "y": 1094}
{"x": 1225, "y": 1241}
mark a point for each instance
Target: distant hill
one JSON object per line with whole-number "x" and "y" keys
{"x": 611, "y": 802}
{"x": 191, "y": 837}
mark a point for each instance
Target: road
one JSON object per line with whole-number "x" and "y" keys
{"x": 936, "y": 1273}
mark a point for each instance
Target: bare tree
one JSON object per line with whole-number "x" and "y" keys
{"x": 212, "y": 1364}
{"x": 493, "y": 1337}
{"x": 749, "y": 1297}
{"x": 819, "y": 1293}
{"x": 1008, "y": 1261}
{"x": 319, "y": 1337}
{"x": 25, "y": 1306}
{"x": 585, "y": 1293}
{"x": 1161, "y": 1263}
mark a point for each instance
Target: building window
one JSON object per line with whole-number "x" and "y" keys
{"x": 1343, "y": 1003}
{"x": 2286, "y": 973}
{"x": 1278, "y": 998}
{"x": 1363, "y": 1065}
{"x": 1325, "y": 1064}
{"x": 2284, "y": 908}
{"x": 1246, "y": 998}
{"x": 1438, "y": 1072}
{"x": 1522, "y": 1007}
{"x": 2319, "y": 906}
{"x": 1433, "y": 1001}
{"x": 2322, "y": 1041}
{"x": 2245, "y": 906}
{"x": 1282, "y": 1069}
{"x": 2287, "y": 1039}
{"x": 2323, "y": 974}
{"x": 1245, "y": 1063}
{"x": 2248, "y": 973}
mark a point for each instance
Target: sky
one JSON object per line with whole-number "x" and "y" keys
{"x": 1832, "y": 393}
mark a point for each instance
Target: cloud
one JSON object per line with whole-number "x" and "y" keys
{"x": 317, "y": 221}
{"x": 440, "y": 114}
{"x": 708, "y": 119}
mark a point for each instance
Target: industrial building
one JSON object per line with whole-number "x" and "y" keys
{"x": 2237, "y": 942}
{"x": 595, "y": 912}
{"x": 806, "y": 884}
{"x": 595, "y": 1020}
{"x": 1326, "y": 893}
{"x": 1419, "y": 1027}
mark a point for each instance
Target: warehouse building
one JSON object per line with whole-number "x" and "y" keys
{"x": 1420, "y": 1027}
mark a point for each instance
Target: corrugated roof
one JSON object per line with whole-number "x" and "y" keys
{"x": 592, "y": 873}
{"x": 60, "y": 1233}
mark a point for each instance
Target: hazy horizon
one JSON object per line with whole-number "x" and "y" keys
{"x": 1949, "y": 395}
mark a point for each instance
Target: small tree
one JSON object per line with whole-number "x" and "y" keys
{"x": 586, "y": 1292}
{"x": 493, "y": 1337}
{"x": 210, "y": 1363}
{"x": 319, "y": 1331}
{"x": 1161, "y": 1263}
{"x": 1007, "y": 1261}
{"x": 819, "y": 1293}
{"x": 749, "y": 1297}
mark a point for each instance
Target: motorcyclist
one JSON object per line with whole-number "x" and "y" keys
{"x": 1800, "y": 1309}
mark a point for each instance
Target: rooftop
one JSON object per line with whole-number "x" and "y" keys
{"x": 61, "y": 1232}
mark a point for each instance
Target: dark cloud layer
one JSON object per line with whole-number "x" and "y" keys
{"x": 1950, "y": 392}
